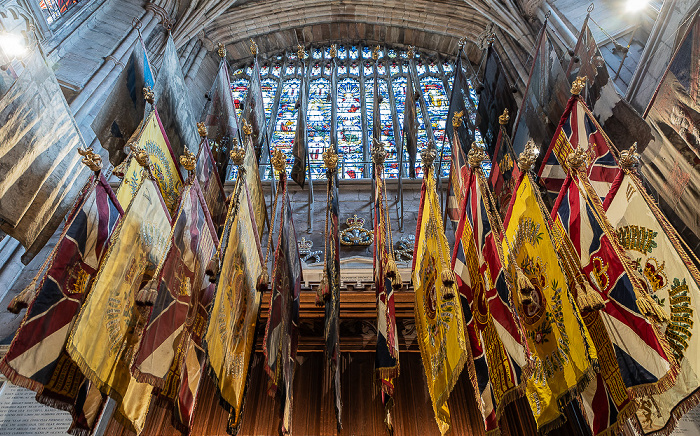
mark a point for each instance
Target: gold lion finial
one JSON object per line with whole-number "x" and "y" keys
{"x": 334, "y": 50}
{"x": 188, "y": 160}
{"x": 375, "y": 53}
{"x": 330, "y": 159}
{"x": 301, "y": 52}
{"x": 91, "y": 159}
{"x": 378, "y": 152}
{"x": 503, "y": 119}
{"x": 577, "y": 159}
{"x": 475, "y": 156}
{"x": 221, "y": 51}
{"x": 630, "y": 158}
{"x": 202, "y": 129}
{"x": 457, "y": 119}
{"x": 253, "y": 47}
{"x": 578, "y": 85}
{"x": 279, "y": 162}
{"x": 411, "y": 53}
{"x": 428, "y": 155}
{"x": 148, "y": 94}
{"x": 529, "y": 155}
{"x": 247, "y": 129}
{"x": 237, "y": 153}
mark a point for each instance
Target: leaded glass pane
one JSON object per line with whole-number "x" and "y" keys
{"x": 349, "y": 127}
{"x": 437, "y": 104}
{"x": 239, "y": 87}
{"x": 386, "y": 123}
{"x": 318, "y": 123}
{"x": 283, "y": 136}
{"x": 269, "y": 88}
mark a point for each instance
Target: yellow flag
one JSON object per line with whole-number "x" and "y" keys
{"x": 152, "y": 138}
{"x": 438, "y": 311}
{"x": 235, "y": 310}
{"x": 563, "y": 358}
{"x": 105, "y": 337}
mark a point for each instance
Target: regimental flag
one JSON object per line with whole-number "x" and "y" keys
{"x": 654, "y": 246}
{"x": 172, "y": 98}
{"x": 41, "y": 171}
{"x": 300, "y": 148}
{"x": 210, "y": 184}
{"x": 460, "y": 98}
{"x": 87, "y": 409}
{"x": 563, "y": 358}
{"x": 504, "y": 171}
{"x": 282, "y": 329}
{"x": 490, "y": 323}
{"x": 458, "y": 176}
{"x": 254, "y": 110}
{"x": 222, "y": 127}
{"x": 105, "y": 336}
{"x": 675, "y": 147}
{"x": 124, "y": 108}
{"x": 439, "y": 319}
{"x": 493, "y": 99}
{"x": 410, "y": 125}
{"x": 173, "y": 294}
{"x": 332, "y": 316}
{"x": 386, "y": 357}
{"x": 153, "y": 140}
{"x": 578, "y": 129}
{"x": 545, "y": 97}
{"x": 220, "y": 119}
{"x": 36, "y": 359}
{"x": 234, "y": 313}
{"x": 643, "y": 357}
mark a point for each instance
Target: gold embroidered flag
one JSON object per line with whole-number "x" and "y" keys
{"x": 235, "y": 310}
{"x": 438, "y": 311}
{"x": 105, "y": 337}
{"x": 564, "y": 359}
{"x": 151, "y": 137}
{"x": 654, "y": 246}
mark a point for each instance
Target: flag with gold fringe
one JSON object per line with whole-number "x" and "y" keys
{"x": 37, "y": 359}
{"x": 151, "y": 138}
{"x": 563, "y": 359}
{"x": 172, "y": 292}
{"x": 107, "y": 330}
{"x": 254, "y": 108}
{"x": 656, "y": 251}
{"x": 282, "y": 329}
{"x": 210, "y": 185}
{"x": 439, "y": 319}
{"x": 234, "y": 313}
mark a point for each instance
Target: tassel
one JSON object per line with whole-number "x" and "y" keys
{"x": 23, "y": 299}
{"x": 392, "y": 272}
{"x": 148, "y": 294}
{"x": 326, "y": 290}
{"x": 595, "y": 301}
{"x": 321, "y": 290}
{"x": 649, "y": 307}
{"x": 525, "y": 287}
{"x": 262, "y": 284}
{"x": 448, "y": 281}
{"x": 213, "y": 268}
{"x": 387, "y": 417}
{"x": 396, "y": 282}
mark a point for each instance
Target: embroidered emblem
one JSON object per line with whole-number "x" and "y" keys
{"x": 678, "y": 331}
{"x": 637, "y": 238}
{"x": 599, "y": 275}
{"x": 356, "y": 234}
{"x": 654, "y": 273}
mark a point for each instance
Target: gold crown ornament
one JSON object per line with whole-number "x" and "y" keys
{"x": 475, "y": 156}
{"x": 279, "y": 162}
{"x": 141, "y": 156}
{"x": 334, "y": 51}
{"x": 202, "y": 129}
{"x": 301, "y": 53}
{"x": 330, "y": 159}
{"x": 411, "y": 53}
{"x": 247, "y": 129}
{"x": 148, "y": 94}
{"x": 237, "y": 153}
{"x": 221, "y": 51}
{"x": 529, "y": 155}
{"x": 378, "y": 152}
{"x": 91, "y": 159}
{"x": 428, "y": 155}
{"x": 375, "y": 53}
{"x": 577, "y": 159}
{"x": 630, "y": 158}
{"x": 457, "y": 119}
{"x": 253, "y": 47}
{"x": 503, "y": 119}
{"x": 578, "y": 85}
{"x": 188, "y": 160}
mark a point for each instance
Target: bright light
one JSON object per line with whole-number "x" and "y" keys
{"x": 636, "y": 5}
{"x": 13, "y": 45}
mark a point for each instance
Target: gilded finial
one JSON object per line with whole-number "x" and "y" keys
{"x": 91, "y": 159}
{"x": 279, "y": 162}
{"x": 475, "y": 156}
{"x": 578, "y": 85}
{"x": 577, "y": 159}
{"x": 148, "y": 94}
{"x": 301, "y": 53}
{"x": 630, "y": 158}
{"x": 202, "y": 129}
{"x": 334, "y": 50}
{"x": 253, "y": 47}
{"x": 428, "y": 155}
{"x": 411, "y": 53}
{"x": 221, "y": 51}
{"x": 237, "y": 153}
{"x": 528, "y": 157}
{"x": 375, "y": 53}
{"x": 330, "y": 159}
{"x": 457, "y": 119}
{"x": 247, "y": 129}
{"x": 141, "y": 156}
{"x": 188, "y": 160}
{"x": 462, "y": 41}
{"x": 378, "y": 152}
{"x": 503, "y": 119}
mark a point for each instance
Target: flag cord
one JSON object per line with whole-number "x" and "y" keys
{"x": 272, "y": 227}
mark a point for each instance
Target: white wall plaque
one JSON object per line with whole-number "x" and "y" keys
{"x": 21, "y": 415}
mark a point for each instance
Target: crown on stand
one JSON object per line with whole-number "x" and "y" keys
{"x": 356, "y": 234}
{"x": 305, "y": 246}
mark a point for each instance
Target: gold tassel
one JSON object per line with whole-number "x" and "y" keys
{"x": 262, "y": 284}
{"x": 649, "y": 307}
{"x": 322, "y": 290}
{"x": 392, "y": 272}
{"x": 582, "y": 300}
{"x": 148, "y": 294}
{"x": 212, "y": 269}
{"x": 595, "y": 301}
{"x": 448, "y": 281}
{"x": 524, "y": 286}
{"x": 23, "y": 299}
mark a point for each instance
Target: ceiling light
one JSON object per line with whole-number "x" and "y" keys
{"x": 12, "y": 45}
{"x": 636, "y": 5}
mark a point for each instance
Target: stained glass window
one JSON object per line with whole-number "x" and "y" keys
{"x": 281, "y": 81}
{"x": 55, "y": 9}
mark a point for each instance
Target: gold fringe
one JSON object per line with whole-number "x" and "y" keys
{"x": 17, "y": 379}
{"x": 623, "y": 415}
{"x": 391, "y": 372}
{"x": 677, "y": 413}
